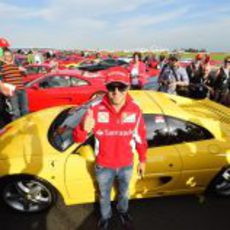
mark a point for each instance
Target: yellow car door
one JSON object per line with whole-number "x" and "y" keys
{"x": 79, "y": 174}
{"x": 163, "y": 166}
{"x": 202, "y": 154}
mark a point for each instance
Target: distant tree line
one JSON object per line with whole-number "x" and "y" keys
{"x": 192, "y": 50}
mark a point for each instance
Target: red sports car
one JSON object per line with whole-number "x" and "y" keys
{"x": 61, "y": 88}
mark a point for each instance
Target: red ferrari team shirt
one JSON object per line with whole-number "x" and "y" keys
{"x": 117, "y": 134}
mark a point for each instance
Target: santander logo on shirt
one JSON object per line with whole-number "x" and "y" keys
{"x": 114, "y": 133}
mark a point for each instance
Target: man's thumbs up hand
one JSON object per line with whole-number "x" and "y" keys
{"x": 89, "y": 122}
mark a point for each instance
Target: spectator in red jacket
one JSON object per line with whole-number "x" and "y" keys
{"x": 118, "y": 127}
{"x": 151, "y": 61}
{"x": 137, "y": 69}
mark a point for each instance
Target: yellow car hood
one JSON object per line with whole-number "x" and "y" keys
{"x": 28, "y": 135}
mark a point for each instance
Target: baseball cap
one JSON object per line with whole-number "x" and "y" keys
{"x": 199, "y": 56}
{"x": 117, "y": 74}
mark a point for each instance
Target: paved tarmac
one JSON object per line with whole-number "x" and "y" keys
{"x": 171, "y": 213}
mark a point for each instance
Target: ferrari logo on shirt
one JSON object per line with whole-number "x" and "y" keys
{"x": 103, "y": 117}
{"x": 129, "y": 117}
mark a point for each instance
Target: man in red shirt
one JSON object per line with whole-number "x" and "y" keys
{"x": 118, "y": 126}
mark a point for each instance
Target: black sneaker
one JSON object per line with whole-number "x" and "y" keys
{"x": 126, "y": 219}
{"x": 103, "y": 224}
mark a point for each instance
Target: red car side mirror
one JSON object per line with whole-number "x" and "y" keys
{"x": 35, "y": 87}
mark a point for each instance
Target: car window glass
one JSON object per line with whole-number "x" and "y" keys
{"x": 60, "y": 134}
{"x": 156, "y": 130}
{"x": 184, "y": 131}
{"x": 32, "y": 70}
{"x": 42, "y": 69}
{"x": 109, "y": 61}
{"x": 78, "y": 82}
{"x": 87, "y": 62}
{"x": 55, "y": 82}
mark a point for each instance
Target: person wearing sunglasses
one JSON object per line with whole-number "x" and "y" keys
{"x": 118, "y": 127}
{"x": 222, "y": 83}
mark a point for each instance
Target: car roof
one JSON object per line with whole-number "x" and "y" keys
{"x": 67, "y": 72}
{"x": 157, "y": 103}
{"x": 64, "y": 73}
{"x": 145, "y": 101}
{"x": 38, "y": 65}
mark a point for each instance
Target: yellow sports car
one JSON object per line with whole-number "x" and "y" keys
{"x": 83, "y": 63}
{"x": 189, "y": 152}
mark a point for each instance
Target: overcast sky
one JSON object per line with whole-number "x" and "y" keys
{"x": 116, "y": 24}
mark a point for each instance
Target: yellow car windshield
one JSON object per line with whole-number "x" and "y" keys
{"x": 60, "y": 132}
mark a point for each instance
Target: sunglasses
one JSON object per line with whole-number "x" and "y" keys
{"x": 120, "y": 87}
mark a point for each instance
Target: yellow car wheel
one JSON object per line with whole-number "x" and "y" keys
{"x": 221, "y": 185}
{"x": 27, "y": 194}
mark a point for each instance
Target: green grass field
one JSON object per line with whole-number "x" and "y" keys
{"x": 214, "y": 56}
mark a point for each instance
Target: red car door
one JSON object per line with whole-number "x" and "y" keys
{"x": 83, "y": 89}
{"x": 49, "y": 91}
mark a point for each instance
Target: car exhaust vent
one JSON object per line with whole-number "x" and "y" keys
{"x": 208, "y": 110}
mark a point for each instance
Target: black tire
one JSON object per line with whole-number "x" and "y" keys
{"x": 27, "y": 194}
{"x": 221, "y": 184}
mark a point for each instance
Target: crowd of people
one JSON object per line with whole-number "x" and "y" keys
{"x": 198, "y": 79}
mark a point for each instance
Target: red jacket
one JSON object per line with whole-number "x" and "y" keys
{"x": 141, "y": 68}
{"x": 117, "y": 134}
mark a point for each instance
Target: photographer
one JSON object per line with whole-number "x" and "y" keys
{"x": 222, "y": 83}
{"x": 173, "y": 79}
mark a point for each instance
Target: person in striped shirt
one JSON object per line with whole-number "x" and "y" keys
{"x": 12, "y": 85}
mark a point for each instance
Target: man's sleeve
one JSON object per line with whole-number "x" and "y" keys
{"x": 1, "y": 73}
{"x": 140, "y": 138}
{"x": 162, "y": 75}
{"x": 185, "y": 77}
{"x": 79, "y": 134}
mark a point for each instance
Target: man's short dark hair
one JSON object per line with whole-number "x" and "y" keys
{"x": 226, "y": 59}
{"x": 137, "y": 54}
{"x": 7, "y": 50}
{"x": 173, "y": 58}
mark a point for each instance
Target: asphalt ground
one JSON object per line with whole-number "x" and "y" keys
{"x": 171, "y": 213}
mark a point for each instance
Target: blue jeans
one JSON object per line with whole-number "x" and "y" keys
{"x": 105, "y": 178}
{"x": 19, "y": 104}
